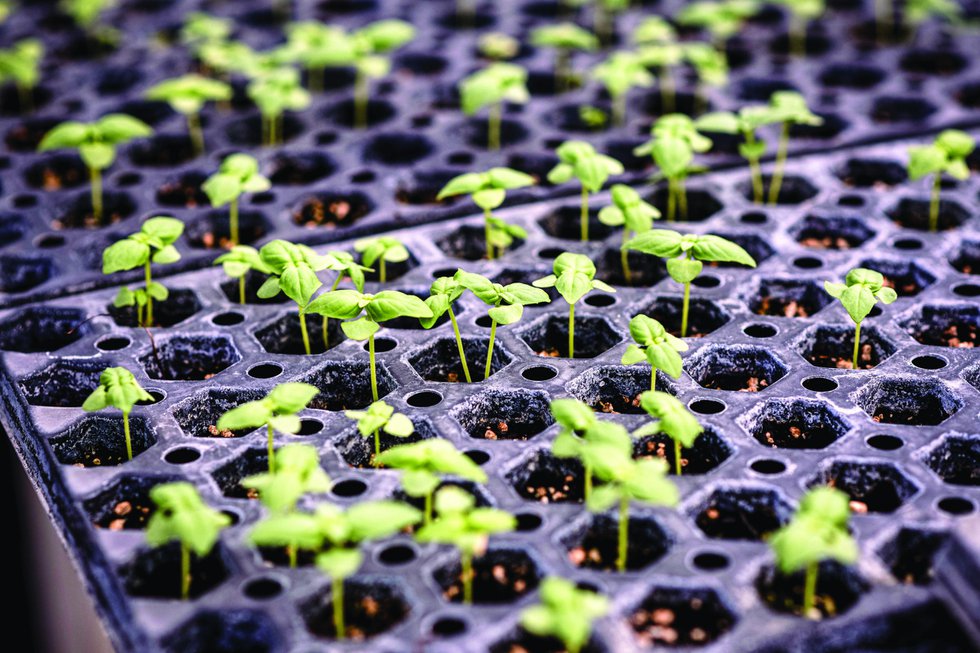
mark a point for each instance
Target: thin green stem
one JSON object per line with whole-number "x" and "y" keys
{"x": 382, "y": 272}
{"x": 810, "y": 588}
{"x": 486, "y": 233}
{"x": 619, "y": 110}
{"x": 148, "y": 280}
{"x": 304, "y": 333}
{"x": 194, "y": 131}
{"x": 233, "y": 222}
{"x": 682, "y": 198}
{"x": 493, "y": 126}
{"x": 934, "y": 203}
{"x": 677, "y": 456}
{"x": 26, "y": 97}
{"x": 374, "y": 371}
{"x": 857, "y": 345}
{"x": 270, "y": 436}
{"x": 584, "y": 215}
{"x": 571, "y": 330}
{"x": 459, "y": 346}
{"x": 291, "y": 552}
{"x": 185, "y": 572}
{"x": 96, "y": 176}
{"x": 241, "y": 289}
{"x": 467, "y": 565}
{"x": 797, "y": 36}
{"x": 667, "y": 95}
{"x": 776, "y": 182}
{"x": 563, "y": 70}
{"x": 377, "y": 447}
{"x": 624, "y": 525}
{"x": 129, "y": 441}
{"x": 685, "y": 308}
{"x": 587, "y": 489}
{"x": 653, "y": 378}
{"x": 326, "y": 320}
{"x": 884, "y": 21}
{"x": 427, "y": 518}
{"x": 624, "y": 258}
{"x": 337, "y": 589}
{"x": 360, "y": 100}
{"x": 671, "y": 200}
{"x": 493, "y": 336}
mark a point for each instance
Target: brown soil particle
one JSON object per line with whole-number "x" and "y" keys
{"x": 827, "y": 242}
{"x": 776, "y": 307}
{"x": 962, "y": 336}
{"x": 223, "y": 433}
{"x": 754, "y": 384}
{"x": 551, "y": 353}
{"x": 550, "y": 494}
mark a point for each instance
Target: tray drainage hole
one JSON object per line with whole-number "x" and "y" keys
{"x": 25, "y": 201}
{"x": 956, "y": 505}
{"x": 768, "y": 466}
{"x": 443, "y": 272}
{"x": 483, "y": 321}
{"x": 851, "y": 200}
{"x": 49, "y": 241}
{"x": 885, "y": 442}
{"x": 528, "y": 521}
{"x": 397, "y": 554}
{"x": 265, "y": 371}
{"x": 158, "y": 396}
{"x": 477, "y": 456}
{"x": 128, "y": 179}
{"x": 449, "y": 627}
{"x": 753, "y": 218}
{"x": 232, "y": 515}
{"x": 807, "y": 263}
{"x": 907, "y": 244}
{"x": 262, "y": 589}
{"x": 310, "y": 426}
{"x": 113, "y": 344}
{"x": 230, "y": 318}
{"x": 819, "y": 384}
{"x": 424, "y": 399}
{"x": 760, "y": 331}
{"x": 539, "y": 373}
{"x": 707, "y": 406}
{"x": 363, "y": 177}
{"x": 706, "y": 281}
{"x": 710, "y": 561}
{"x": 550, "y": 252}
{"x": 967, "y": 290}
{"x": 929, "y": 362}
{"x": 349, "y": 488}
{"x": 382, "y": 345}
{"x": 182, "y": 455}
{"x": 600, "y": 301}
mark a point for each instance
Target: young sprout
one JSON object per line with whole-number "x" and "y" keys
{"x": 574, "y": 278}
{"x": 657, "y": 47}
{"x": 817, "y": 532}
{"x": 381, "y": 250}
{"x": 423, "y": 463}
{"x": 86, "y": 14}
{"x": 490, "y": 87}
{"x": 675, "y": 141}
{"x": 96, "y": 142}
{"x": 722, "y": 19}
{"x": 789, "y": 108}
{"x": 118, "y": 388}
{"x": 377, "y": 308}
{"x": 593, "y": 117}
{"x": 946, "y": 154}
{"x": 579, "y": 160}
{"x": 565, "y": 38}
{"x": 506, "y": 303}
{"x": 153, "y": 243}
{"x": 238, "y": 262}
{"x": 583, "y": 436}
{"x": 371, "y": 45}
{"x": 466, "y": 527}
{"x": 710, "y": 66}
{"x": 293, "y": 271}
{"x": 619, "y": 74}
{"x": 293, "y": 531}
{"x": 237, "y": 174}
{"x": 656, "y": 346}
{"x": 20, "y": 64}
{"x": 295, "y": 471}
{"x": 276, "y": 411}
{"x": 187, "y": 95}
{"x": 744, "y": 123}
{"x": 917, "y": 12}
{"x": 685, "y": 254}
{"x": 801, "y": 12}
{"x": 317, "y": 46}
{"x": 631, "y": 212}
{"x": 565, "y": 612}
{"x": 346, "y": 267}
{"x": 378, "y": 417}
{"x": 488, "y": 190}
{"x": 201, "y": 29}
{"x": 861, "y": 290}
{"x": 604, "y": 18}
{"x": 443, "y": 293}
{"x": 673, "y": 420}
{"x": 227, "y": 57}
{"x": 498, "y": 46}
{"x": 275, "y": 92}
{"x": 182, "y": 516}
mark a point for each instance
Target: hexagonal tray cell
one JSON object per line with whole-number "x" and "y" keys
{"x": 190, "y": 358}
{"x": 866, "y": 172}
{"x": 56, "y": 172}
{"x": 504, "y": 414}
{"x": 899, "y": 109}
{"x": 832, "y": 346}
{"x": 742, "y": 513}
{"x": 21, "y": 273}
{"x": 794, "y": 189}
{"x": 565, "y": 223}
{"x": 393, "y": 271}
{"x": 12, "y": 228}
{"x": 644, "y": 270}
{"x": 838, "y": 589}
{"x": 371, "y": 607}
{"x": 501, "y": 575}
{"x": 911, "y": 552}
{"x": 331, "y": 210}
{"x": 522, "y": 641}
{"x": 956, "y": 459}
{"x": 704, "y": 315}
{"x": 300, "y": 168}
{"x": 468, "y": 242}
{"x": 908, "y": 278}
{"x": 831, "y": 232}
{"x": 155, "y": 573}
{"x": 873, "y": 487}
{"x": 253, "y": 281}
{"x": 966, "y": 258}
{"x": 284, "y": 335}
{"x": 358, "y": 451}
{"x": 548, "y": 336}
{"x": 198, "y": 415}
{"x": 439, "y": 361}
{"x": 230, "y": 630}
{"x": 709, "y": 451}
{"x": 42, "y": 329}
{"x": 701, "y": 204}
{"x": 229, "y": 476}
{"x": 180, "y": 305}
{"x": 346, "y": 385}
{"x": 126, "y": 503}
{"x": 680, "y": 616}
{"x": 99, "y": 441}
{"x": 907, "y": 400}
{"x": 945, "y": 325}
{"x": 213, "y": 231}
{"x": 79, "y": 213}
{"x": 913, "y": 213}
{"x": 741, "y": 368}
{"x": 788, "y": 298}
{"x": 593, "y": 544}
{"x": 184, "y": 190}
{"x": 64, "y": 384}
{"x": 546, "y": 478}
{"x": 616, "y": 388}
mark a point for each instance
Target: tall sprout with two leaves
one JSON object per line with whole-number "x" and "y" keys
{"x": 294, "y": 470}
{"x": 381, "y": 250}
{"x": 378, "y": 417}
{"x": 573, "y": 278}
{"x": 238, "y": 174}
{"x": 274, "y": 92}
{"x": 745, "y": 123}
{"x": 579, "y": 160}
{"x": 722, "y": 19}
{"x": 489, "y": 88}
{"x": 202, "y": 29}
{"x": 710, "y": 66}
{"x": 346, "y": 267}
{"x": 317, "y": 46}
{"x": 620, "y": 73}
{"x": 370, "y": 47}
{"x": 443, "y": 293}
{"x": 87, "y": 15}
{"x": 653, "y": 344}
{"x": 673, "y": 419}
{"x": 565, "y": 612}
{"x": 801, "y": 13}
{"x": 565, "y": 39}
{"x": 789, "y": 108}
{"x": 187, "y": 95}
{"x": 238, "y": 262}
{"x": 21, "y": 64}
{"x": 946, "y": 154}
{"x": 861, "y": 290}
{"x": 583, "y": 436}
{"x": 292, "y": 271}
{"x": 657, "y": 47}
{"x": 118, "y": 389}
{"x": 686, "y": 254}
{"x": 675, "y": 140}
{"x": 631, "y": 212}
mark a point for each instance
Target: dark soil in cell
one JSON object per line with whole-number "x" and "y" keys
{"x": 499, "y": 576}
{"x": 838, "y": 589}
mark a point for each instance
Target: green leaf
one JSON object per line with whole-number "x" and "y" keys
{"x": 507, "y": 314}
{"x": 249, "y": 415}
{"x": 182, "y": 515}
{"x": 361, "y": 329}
{"x": 269, "y": 288}
{"x": 125, "y": 254}
{"x": 168, "y": 254}
{"x": 574, "y": 273}
{"x": 293, "y": 529}
{"x": 125, "y": 297}
{"x": 288, "y": 398}
{"x": 299, "y": 282}
{"x": 339, "y": 563}
{"x": 97, "y": 156}
{"x": 572, "y": 414}
{"x": 338, "y": 304}
{"x": 377, "y": 519}
{"x": 418, "y": 483}
{"x": 715, "y": 248}
{"x": 683, "y": 270}
{"x": 118, "y": 128}
{"x": 465, "y": 184}
{"x": 389, "y": 304}
{"x": 222, "y": 188}
{"x": 662, "y": 243}
{"x": 925, "y": 160}
{"x": 399, "y": 426}
{"x": 70, "y": 134}
{"x": 157, "y": 291}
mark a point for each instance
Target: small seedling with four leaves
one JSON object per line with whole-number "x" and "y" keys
{"x": 187, "y": 95}
{"x": 657, "y": 47}
{"x": 861, "y": 290}
{"x": 579, "y": 160}
{"x": 292, "y": 271}
{"x": 722, "y": 19}
{"x": 744, "y": 123}
{"x": 443, "y": 293}
{"x": 87, "y": 15}
{"x": 574, "y": 278}
{"x": 119, "y": 389}
{"x": 238, "y": 262}
{"x": 20, "y": 64}
{"x": 201, "y": 29}
{"x": 653, "y": 344}
{"x": 582, "y": 435}
{"x": 789, "y": 108}
{"x": 378, "y": 417}
{"x": 946, "y": 154}
{"x": 317, "y": 46}
{"x": 673, "y": 420}
{"x": 619, "y": 74}
{"x": 238, "y": 174}
{"x": 274, "y": 92}
{"x": 565, "y": 38}
{"x": 381, "y": 250}
{"x": 801, "y": 12}
{"x": 711, "y": 68}
{"x": 565, "y": 612}
{"x": 371, "y": 46}
{"x": 675, "y": 142}
{"x": 631, "y": 212}
{"x": 490, "y": 87}
{"x": 346, "y": 267}
{"x": 295, "y": 471}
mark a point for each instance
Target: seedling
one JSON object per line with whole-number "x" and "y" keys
{"x": 293, "y": 271}
{"x": 237, "y": 174}
{"x": 744, "y": 123}
{"x": 295, "y": 471}
{"x": 674, "y": 143}
{"x": 818, "y": 531}
{"x": 579, "y": 160}
{"x": 565, "y": 612}
{"x": 861, "y": 290}
{"x": 488, "y": 190}
{"x": 20, "y": 64}
{"x": 187, "y": 95}
{"x": 721, "y": 19}
{"x": 917, "y": 12}
{"x": 583, "y": 436}
{"x": 182, "y": 516}
{"x": 346, "y": 267}
{"x": 593, "y": 117}
{"x": 226, "y": 57}
{"x": 275, "y": 92}
{"x": 498, "y": 46}
{"x": 371, "y": 45}
{"x": 604, "y": 18}
{"x": 655, "y": 346}
{"x": 631, "y": 212}
{"x": 801, "y": 12}
{"x": 118, "y": 388}
{"x": 673, "y": 420}
{"x": 424, "y": 463}
{"x": 378, "y": 417}
{"x": 276, "y": 411}
{"x": 506, "y": 303}
{"x": 86, "y": 14}
{"x": 619, "y": 74}
{"x": 317, "y": 46}
{"x": 657, "y": 47}
{"x": 365, "y": 313}
{"x": 789, "y": 108}
{"x": 685, "y": 254}
{"x": 574, "y": 278}
{"x": 710, "y": 66}
{"x": 293, "y": 531}
{"x": 381, "y": 250}
{"x": 238, "y": 262}
{"x": 153, "y": 243}
{"x": 565, "y": 38}
{"x": 201, "y": 29}
{"x": 946, "y": 154}
{"x": 443, "y": 292}
{"x": 96, "y": 142}
{"x": 466, "y": 527}
{"x": 491, "y": 87}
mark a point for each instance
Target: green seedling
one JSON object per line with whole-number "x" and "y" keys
{"x": 238, "y": 174}
{"x": 861, "y": 290}
{"x": 87, "y": 14}
{"x": 295, "y": 471}
{"x": 182, "y": 516}
{"x": 96, "y": 142}
{"x": 488, "y": 190}
{"x": 153, "y": 243}
{"x": 274, "y": 93}
{"x": 817, "y": 532}
{"x": 228, "y": 57}
{"x": 317, "y": 46}
{"x": 468, "y": 528}
{"x": 581, "y": 435}
{"x": 744, "y": 123}
{"x": 710, "y": 66}
{"x": 675, "y": 141}
{"x": 657, "y": 47}
{"x": 490, "y": 87}
{"x": 620, "y": 73}
{"x": 378, "y": 417}
{"x": 276, "y": 411}
{"x": 424, "y": 463}
{"x": 293, "y": 271}
{"x": 20, "y": 64}
{"x": 594, "y": 118}
{"x": 604, "y": 13}
{"x": 498, "y": 46}
{"x": 801, "y": 12}
{"x": 673, "y": 420}
{"x": 653, "y": 30}
{"x": 187, "y": 95}
{"x": 119, "y": 389}
{"x": 293, "y": 531}
{"x": 789, "y": 108}
{"x": 371, "y": 45}
{"x": 685, "y": 254}
{"x": 574, "y": 278}
{"x": 565, "y": 612}
{"x": 917, "y": 12}
{"x": 579, "y": 160}
{"x": 565, "y": 38}
{"x": 201, "y": 29}
{"x": 238, "y": 262}
{"x": 946, "y": 154}
{"x": 365, "y": 313}
{"x": 656, "y": 346}
{"x": 506, "y": 303}
{"x": 381, "y": 250}
{"x": 721, "y": 19}
{"x": 346, "y": 267}
{"x": 631, "y": 212}
{"x": 443, "y": 293}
